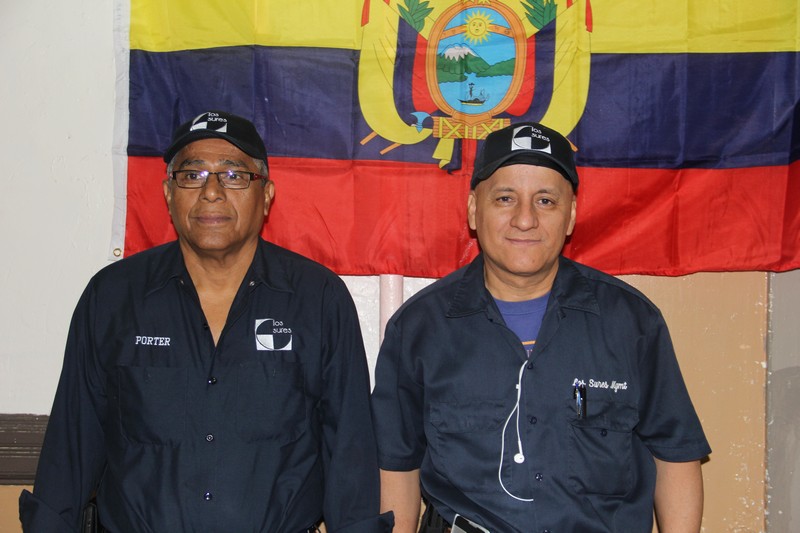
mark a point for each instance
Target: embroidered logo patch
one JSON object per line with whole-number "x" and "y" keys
{"x": 613, "y": 385}
{"x": 210, "y": 121}
{"x": 272, "y": 335}
{"x": 145, "y": 340}
{"x": 530, "y": 138}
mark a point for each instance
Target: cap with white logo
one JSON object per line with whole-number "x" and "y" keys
{"x": 525, "y": 143}
{"x": 218, "y": 124}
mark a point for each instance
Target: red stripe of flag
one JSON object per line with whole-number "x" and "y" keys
{"x": 660, "y": 222}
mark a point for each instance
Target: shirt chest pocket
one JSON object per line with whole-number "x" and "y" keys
{"x": 465, "y": 442}
{"x": 152, "y": 404}
{"x": 601, "y": 449}
{"x": 271, "y": 401}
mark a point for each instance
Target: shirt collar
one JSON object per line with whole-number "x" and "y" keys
{"x": 164, "y": 267}
{"x": 570, "y": 290}
{"x": 471, "y": 295}
{"x": 267, "y": 268}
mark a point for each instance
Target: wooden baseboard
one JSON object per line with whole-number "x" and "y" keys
{"x": 21, "y": 439}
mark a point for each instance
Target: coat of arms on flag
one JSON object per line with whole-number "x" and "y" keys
{"x": 473, "y": 65}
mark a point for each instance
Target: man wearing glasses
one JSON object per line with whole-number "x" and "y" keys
{"x": 217, "y": 383}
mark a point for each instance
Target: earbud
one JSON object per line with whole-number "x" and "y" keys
{"x": 519, "y": 458}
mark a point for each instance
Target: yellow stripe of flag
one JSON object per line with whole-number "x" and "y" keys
{"x": 647, "y": 26}
{"x": 171, "y": 25}
{"x": 696, "y": 26}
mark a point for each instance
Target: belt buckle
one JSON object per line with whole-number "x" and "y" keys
{"x": 464, "y": 525}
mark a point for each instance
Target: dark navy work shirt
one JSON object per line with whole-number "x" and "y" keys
{"x": 446, "y": 392}
{"x": 267, "y": 431}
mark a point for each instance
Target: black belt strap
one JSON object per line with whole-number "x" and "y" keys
{"x": 432, "y": 521}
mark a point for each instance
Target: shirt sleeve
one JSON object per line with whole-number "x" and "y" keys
{"x": 397, "y": 404}
{"x": 73, "y": 452}
{"x": 352, "y": 484}
{"x": 668, "y": 423}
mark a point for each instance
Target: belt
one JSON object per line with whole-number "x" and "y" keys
{"x": 432, "y": 521}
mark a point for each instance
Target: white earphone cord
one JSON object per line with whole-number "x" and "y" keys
{"x": 519, "y": 457}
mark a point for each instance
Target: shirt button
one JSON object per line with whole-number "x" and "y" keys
{"x": 212, "y": 380}
{"x": 539, "y": 476}
{"x": 533, "y": 420}
{"x": 209, "y": 437}
{"x": 604, "y": 432}
{"x": 208, "y": 496}
{"x": 530, "y": 366}
{"x": 252, "y": 283}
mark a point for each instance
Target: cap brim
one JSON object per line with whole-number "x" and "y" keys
{"x": 197, "y": 135}
{"x": 524, "y": 158}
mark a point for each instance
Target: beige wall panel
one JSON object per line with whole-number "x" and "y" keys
{"x": 9, "y": 508}
{"x": 718, "y": 325}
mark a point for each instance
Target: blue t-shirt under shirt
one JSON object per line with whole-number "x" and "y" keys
{"x": 524, "y": 318}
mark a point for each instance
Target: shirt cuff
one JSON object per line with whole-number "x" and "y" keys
{"x": 37, "y": 517}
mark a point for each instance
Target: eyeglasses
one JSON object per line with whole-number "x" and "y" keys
{"x": 228, "y": 179}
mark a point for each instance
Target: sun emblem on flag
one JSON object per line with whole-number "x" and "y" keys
{"x": 476, "y": 29}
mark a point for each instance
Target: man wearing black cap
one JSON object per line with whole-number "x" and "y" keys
{"x": 214, "y": 384}
{"x": 526, "y": 392}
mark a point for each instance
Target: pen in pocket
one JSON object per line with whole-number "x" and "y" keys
{"x": 579, "y": 394}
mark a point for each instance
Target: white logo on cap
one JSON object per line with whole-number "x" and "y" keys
{"x": 530, "y": 138}
{"x": 210, "y": 121}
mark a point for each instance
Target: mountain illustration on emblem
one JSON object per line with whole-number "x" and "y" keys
{"x": 467, "y": 78}
{"x": 457, "y": 60}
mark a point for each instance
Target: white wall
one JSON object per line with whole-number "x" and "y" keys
{"x": 57, "y": 80}
{"x": 57, "y": 93}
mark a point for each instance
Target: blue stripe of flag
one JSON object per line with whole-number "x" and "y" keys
{"x": 642, "y": 111}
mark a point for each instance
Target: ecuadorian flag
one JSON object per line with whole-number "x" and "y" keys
{"x": 684, "y": 116}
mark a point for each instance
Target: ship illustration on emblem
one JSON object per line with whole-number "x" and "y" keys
{"x": 474, "y": 68}
{"x": 476, "y": 100}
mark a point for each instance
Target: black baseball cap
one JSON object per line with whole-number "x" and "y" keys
{"x": 218, "y": 124}
{"x": 525, "y": 143}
